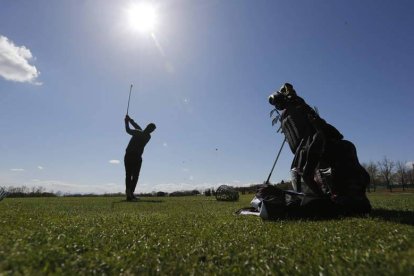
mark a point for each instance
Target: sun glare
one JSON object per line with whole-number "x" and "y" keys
{"x": 142, "y": 17}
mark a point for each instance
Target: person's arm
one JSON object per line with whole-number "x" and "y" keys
{"x": 135, "y": 125}
{"x": 127, "y": 129}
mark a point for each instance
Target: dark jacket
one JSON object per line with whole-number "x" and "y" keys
{"x": 139, "y": 139}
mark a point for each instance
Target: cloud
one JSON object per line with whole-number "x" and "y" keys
{"x": 164, "y": 187}
{"x": 14, "y": 63}
{"x": 165, "y": 144}
{"x": 112, "y": 187}
{"x": 17, "y": 170}
{"x": 67, "y": 187}
{"x": 184, "y": 186}
{"x": 40, "y": 167}
{"x": 409, "y": 164}
{"x": 114, "y": 161}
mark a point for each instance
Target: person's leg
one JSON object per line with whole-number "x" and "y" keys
{"x": 135, "y": 175}
{"x": 128, "y": 176}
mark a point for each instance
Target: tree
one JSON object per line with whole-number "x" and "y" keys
{"x": 372, "y": 170}
{"x": 386, "y": 170}
{"x": 411, "y": 172}
{"x": 402, "y": 173}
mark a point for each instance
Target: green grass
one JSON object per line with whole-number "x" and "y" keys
{"x": 198, "y": 235}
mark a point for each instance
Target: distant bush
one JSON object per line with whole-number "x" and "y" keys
{"x": 145, "y": 195}
{"x": 113, "y": 194}
{"x": 26, "y": 192}
{"x": 185, "y": 193}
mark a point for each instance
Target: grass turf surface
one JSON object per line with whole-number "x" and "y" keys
{"x": 198, "y": 235}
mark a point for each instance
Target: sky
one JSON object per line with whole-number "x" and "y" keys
{"x": 203, "y": 76}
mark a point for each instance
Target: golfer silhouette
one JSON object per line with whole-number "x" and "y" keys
{"x": 133, "y": 154}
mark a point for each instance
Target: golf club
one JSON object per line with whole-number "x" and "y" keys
{"x": 129, "y": 98}
{"x": 274, "y": 164}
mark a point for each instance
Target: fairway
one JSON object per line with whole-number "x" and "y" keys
{"x": 198, "y": 235}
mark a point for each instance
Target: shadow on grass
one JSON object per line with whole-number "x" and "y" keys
{"x": 397, "y": 216}
{"x": 403, "y": 217}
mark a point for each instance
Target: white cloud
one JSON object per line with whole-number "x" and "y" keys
{"x": 17, "y": 170}
{"x": 74, "y": 188}
{"x": 164, "y": 187}
{"x": 409, "y": 164}
{"x": 14, "y": 63}
{"x": 165, "y": 144}
{"x": 40, "y": 167}
{"x": 114, "y": 161}
{"x": 185, "y": 186}
{"x": 113, "y": 187}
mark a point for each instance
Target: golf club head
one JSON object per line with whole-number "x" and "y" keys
{"x": 275, "y": 120}
{"x": 273, "y": 111}
{"x": 316, "y": 110}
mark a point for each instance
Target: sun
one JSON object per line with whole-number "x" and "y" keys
{"x": 143, "y": 17}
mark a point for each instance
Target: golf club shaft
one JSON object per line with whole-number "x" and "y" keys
{"x": 129, "y": 98}
{"x": 274, "y": 164}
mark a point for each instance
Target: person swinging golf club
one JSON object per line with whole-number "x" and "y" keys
{"x": 133, "y": 154}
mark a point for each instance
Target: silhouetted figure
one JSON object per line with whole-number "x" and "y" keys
{"x": 133, "y": 154}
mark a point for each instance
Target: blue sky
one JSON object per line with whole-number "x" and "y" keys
{"x": 204, "y": 81}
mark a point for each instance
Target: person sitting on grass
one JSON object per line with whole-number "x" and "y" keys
{"x": 133, "y": 154}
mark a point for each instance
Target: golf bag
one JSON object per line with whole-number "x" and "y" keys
{"x": 324, "y": 164}
{"x": 272, "y": 203}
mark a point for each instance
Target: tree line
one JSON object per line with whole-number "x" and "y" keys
{"x": 389, "y": 173}
{"x": 386, "y": 173}
{"x": 24, "y": 191}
